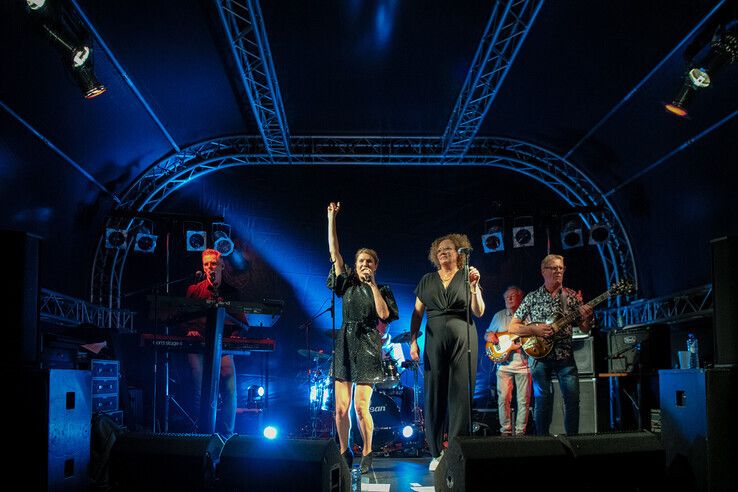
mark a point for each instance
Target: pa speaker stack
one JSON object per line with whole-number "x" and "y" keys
{"x": 143, "y": 461}
{"x": 623, "y": 462}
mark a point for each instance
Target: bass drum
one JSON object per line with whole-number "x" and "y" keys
{"x": 387, "y": 422}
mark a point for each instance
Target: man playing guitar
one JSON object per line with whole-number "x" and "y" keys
{"x": 513, "y": 368}
{"x": 541, "y": 306}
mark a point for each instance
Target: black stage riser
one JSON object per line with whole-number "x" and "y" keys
{"x": 623, "y": 462}
{"x": 176, "y": 462}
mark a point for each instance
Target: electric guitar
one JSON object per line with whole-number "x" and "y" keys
{"x": 538, "y": 347}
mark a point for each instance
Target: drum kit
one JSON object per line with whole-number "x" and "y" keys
{"x": 394, "y": 406}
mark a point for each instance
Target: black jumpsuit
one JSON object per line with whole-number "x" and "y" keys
{"x": 358, "y": 358}
{"x": 445, "y": 358}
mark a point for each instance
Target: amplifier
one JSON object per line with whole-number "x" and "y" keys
{"x": 647, "y": 346}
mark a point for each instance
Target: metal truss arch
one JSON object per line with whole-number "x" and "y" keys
{"x": 534, "y": 161}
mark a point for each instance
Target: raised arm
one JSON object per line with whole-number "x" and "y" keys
{"x": 477, "y": 302}
{"x": 336, "y": 257}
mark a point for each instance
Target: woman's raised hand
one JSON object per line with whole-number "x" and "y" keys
{"x": 333, "y": 209}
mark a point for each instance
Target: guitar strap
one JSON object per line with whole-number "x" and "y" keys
{"x": 564, "y": 303}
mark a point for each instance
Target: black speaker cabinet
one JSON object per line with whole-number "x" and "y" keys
{"x": 48, "y": 417}
{"x": 628, "y": 461}
{"x": 587, "y": 407}
{"x": 145, "y": 461}
{"x": 647, "y": 346}
{"x": 698, "y": 425}
{"x": 480, "y": 463}
{"x": 725, "y": 296}
{"x": 257, "y": 464}
{"x": 20, "y": 310}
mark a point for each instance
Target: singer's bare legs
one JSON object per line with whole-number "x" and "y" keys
{"x": 343, "y": 402}
{"x": 362, "y": 397}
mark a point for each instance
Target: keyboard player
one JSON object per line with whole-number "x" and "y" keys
{"x": 214, "y": 288}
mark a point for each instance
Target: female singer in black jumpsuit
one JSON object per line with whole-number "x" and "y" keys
{"x": 443, "y": 296}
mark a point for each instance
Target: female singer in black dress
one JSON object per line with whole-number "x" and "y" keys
{"x": 443, "y": 295}
{"x": 358, "y": 359}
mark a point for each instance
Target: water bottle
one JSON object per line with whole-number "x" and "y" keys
{"x": 693, "y": 350}
{"x": 356, "y": 478}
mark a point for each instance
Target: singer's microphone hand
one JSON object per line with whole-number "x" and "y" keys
{"x": 474, "y": 276}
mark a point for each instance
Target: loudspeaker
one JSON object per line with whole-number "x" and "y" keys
{"x": 48, "y": 414}
{"x": 698, "y": 422}
{"x": 23, "y": 344}
{"x": 647, "y": 346}
{"x": 583, "y": 349}
{"x": 145, "y": 461}
{"x": 626, "y": 461}
{"x": 482, "y": 463}
{"x": 725, "y": 293}
{"x": 587, "y": 407}
{"x": 257, "y": 464}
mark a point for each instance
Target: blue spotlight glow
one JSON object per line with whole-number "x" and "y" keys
{"x": 407, "y": 431}
{"x": 270, "y": 432}
{"x": 260, "y": 391}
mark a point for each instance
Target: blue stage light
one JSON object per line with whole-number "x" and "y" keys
{"x": 270, "y": 432}
{"x": 260, "y": 391}
{"x": 407, "y": 431}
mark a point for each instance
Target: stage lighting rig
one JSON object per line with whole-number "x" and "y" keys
{"x": 493, "y": 241}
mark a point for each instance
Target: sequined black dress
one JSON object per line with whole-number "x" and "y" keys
{"x": 358, "y": 357}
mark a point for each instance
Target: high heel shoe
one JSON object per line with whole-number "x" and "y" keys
{"x": 366, "y": 463}
{"x": 348, "y": 457}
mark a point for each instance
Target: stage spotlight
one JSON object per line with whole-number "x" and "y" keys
{"x": 222, "y": 238}
{"x": 723, "y": 51}
{"x": 270, "y": 432}
{"x": 571, "y": 232}
{"x": 598, "y": 234}
{"x": 115, "y": 238}
{"x": 70, "y": 36}
{"x": 36, "y": 4}
{"x": 492, "y": 241}
{"x": 196, "y": 240}
{"x": 260, "y": 391}
{"x": 407, "y": 431}
{"x": 522, "y": 232}
{"x": 145, "y": 243}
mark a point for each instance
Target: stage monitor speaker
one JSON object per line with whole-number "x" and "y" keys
{"x": 628, "y": 461}
{"x": 647, "y": 346}
{"x": 145, "y": 461}
{"x": 47, "y": 414}
{"x": 698, "y": 425}
{"x": 21, "y": 253}
{"x": 258, "y": 464}
{"x": 484, "y": 463}
{"x": 725, "y": 295}
{"x": 587, "y": 407}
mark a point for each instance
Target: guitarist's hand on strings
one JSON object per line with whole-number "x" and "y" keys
{"x": 541, "y": 330}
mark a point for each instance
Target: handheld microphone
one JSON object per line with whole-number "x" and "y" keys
{"x": 465, "y": 251}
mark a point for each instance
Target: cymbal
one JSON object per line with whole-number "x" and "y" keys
{"x": 404, "y": 337}
{"x": 314, "y": 354}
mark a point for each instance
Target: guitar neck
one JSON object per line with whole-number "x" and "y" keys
{"x": 565, "y": 320}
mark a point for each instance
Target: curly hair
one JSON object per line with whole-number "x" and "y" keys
{"x": 459, "y": 240}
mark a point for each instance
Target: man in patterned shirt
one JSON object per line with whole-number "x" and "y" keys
{"x": 539, "y": 308}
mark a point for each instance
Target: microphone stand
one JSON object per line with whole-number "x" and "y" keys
{"x": 313, "y": 415}
{"x": 468, "y": 341}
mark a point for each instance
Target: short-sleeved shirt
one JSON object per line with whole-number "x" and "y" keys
{"x": 540, "y": 306}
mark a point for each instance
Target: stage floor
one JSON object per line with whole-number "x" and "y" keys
{"x": 398, "y": 474}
